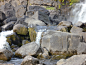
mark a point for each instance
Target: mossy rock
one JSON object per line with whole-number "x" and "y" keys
{"x": 62, "y": 55}
{"x": 32, "y": 34}
{"x": 20, "y": 29}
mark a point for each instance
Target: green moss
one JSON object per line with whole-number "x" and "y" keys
{"x": 32, "y": 34}
{"x": 60, "y": 55}
{"x": 50, "y": 8}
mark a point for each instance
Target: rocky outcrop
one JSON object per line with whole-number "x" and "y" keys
{"x": 5, "y": 54}
{"x": 74, "y": 60}
{"x": 20, "y": 29}
{"x": 30, "y": 60}
{"x": 60, "y": 41}
{"x": 27, "y": 49}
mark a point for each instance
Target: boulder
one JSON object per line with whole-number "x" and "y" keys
{"x": 65, "y": 23}
{"x": 74, "y": 60}
{"x": 9, "y": 10}
{"x": 5, "y": 54}
{"x": 34, "y": 22}
{"x": 41, "y": 16}
{"x": 81, "y": 48}
{"x": 9, "y": 20}
{"x": 27, "y": 49}
{"x": 75, "y": 29}
{"x": 60, "y": 41}
{"x": 14, "y": 39}
{"x": 8, "y": 26}
{"x": 37, "y": 8}
{"x": 20, "y": 29}
{"x": 19, "y": 11}
{"x": 30, "y": 60}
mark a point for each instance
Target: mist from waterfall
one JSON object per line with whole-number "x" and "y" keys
{"x": 78, "y": 12}
{"x": 3, "y": 43}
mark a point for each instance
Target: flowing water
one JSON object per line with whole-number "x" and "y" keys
{"x": 3, "y": 43}
{"x": 78, "y": 12}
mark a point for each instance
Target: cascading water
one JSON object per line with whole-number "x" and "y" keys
{"x": 3, "y": 43}
{"x": 78, "y": 12}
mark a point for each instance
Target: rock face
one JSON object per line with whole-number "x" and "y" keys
{"x": 5, "y": 54}
{"x": 41, "y": 16}
{"x": 30, "y": 60}
{"x": 74, "y": 60}
{"x": 27, "y": 49}
{"x": 19, "y": 11}
{"x": 20, "y": 29}
{"x": 60, "y": 41}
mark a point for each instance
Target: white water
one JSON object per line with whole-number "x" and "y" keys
{"x": 38, "y": 37}
{"x": 78, "y": 13}
{"x": 3, "y": 43}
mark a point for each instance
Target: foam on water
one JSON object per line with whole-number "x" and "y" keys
{"x": 3, "y": 43}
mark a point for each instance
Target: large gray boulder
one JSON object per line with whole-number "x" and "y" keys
{"x": 60, "y": 41}
{"x": 27, "y": 49}
{"x": 19, "y": 11}
{"x": 9, "y": 10}
{"x": 74, "y": 60}
{"x": 37, "y": 8}
{"x": 5, "y": 54}
{"x": 20, "y": 29}
{"x": 41, "y": 16}
{"x": 32, "y": 21}
{"x": 30, "y": 60}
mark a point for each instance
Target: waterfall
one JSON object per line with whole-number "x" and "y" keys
{"x": 78, "y": 12}
{"x": 3, "y": 43}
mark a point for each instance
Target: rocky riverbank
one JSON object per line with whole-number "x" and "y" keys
{"x": 39, "y": 36}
